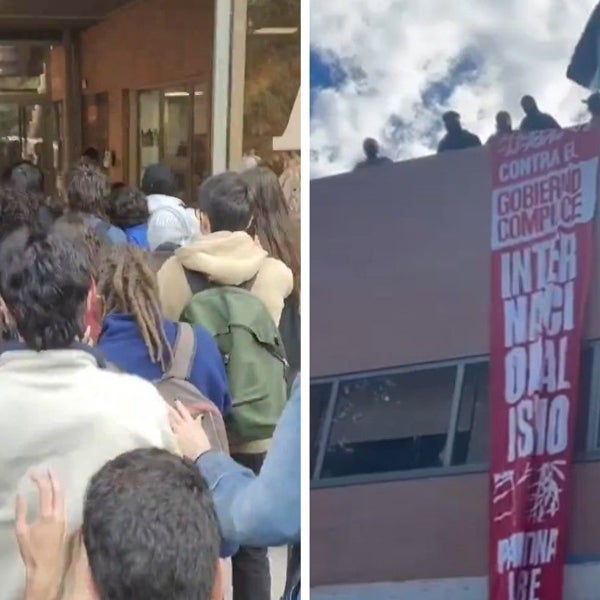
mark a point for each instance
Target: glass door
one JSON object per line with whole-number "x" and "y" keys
{"x": 174, "y": 129}
{"x": 26, "y": 133}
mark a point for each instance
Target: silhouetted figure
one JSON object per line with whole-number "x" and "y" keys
{"x": 371, "y": 148}
{"x": 503, "y": 126}
{"x": 92, "y": 155}
{"x": 535, "y": 119}
{"x": 456, "y": 137}
{"x": 593, "y": 104}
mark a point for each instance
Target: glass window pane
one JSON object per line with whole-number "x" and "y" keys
{"x": 22, "y": 68}
{"x": 176, "y": 136}
{"x": 201, "y": 167}
{"x": 149, "y": 129}
{"x": 390, "y": 423}
{"x": 471, "y": 444}
{"x": 585, "y": 391}
{"x": 272, "y": 75}
{"x": 319, "y": 398}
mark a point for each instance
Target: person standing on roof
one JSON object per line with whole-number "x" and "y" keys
{"x": 593, "y": 104}
{"x": 371, "y": 149}
{"x": 503, "y": 126}
{"x": 535, "y": 119}
{"x": 456, "y": 137}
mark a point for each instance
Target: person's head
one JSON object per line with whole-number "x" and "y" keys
{"x": 127, "y": 285}
{"x": 92, "y": 155}
{"x": 150, "y": 530}
{"x": 26, "y": 177}
{"x": 87, "y": 190}
{"x": 224, "y": 203}
{"x": 73, "y": 227}
{"x": 159, "y": 179}
{"x": 593, "y": 104}
{"x": 272, "y": 221}
{"x": 17, "y": 208}
{"x": 127, "y": 206}
{"x": 45, "y": 280}
{"x": 503, "y": 122}
{"x": 451, "y": 121}
{"x": 529, "y": 105}
{"x": 371, "y": 148}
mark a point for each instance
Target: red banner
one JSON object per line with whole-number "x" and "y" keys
{"x": 543, "y": 204}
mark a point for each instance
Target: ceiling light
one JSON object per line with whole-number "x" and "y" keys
{"x": 275, "y": 31}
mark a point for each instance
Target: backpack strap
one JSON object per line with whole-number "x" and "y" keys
{"x": 199, "y": 282}
{"x": 184, "y": 350}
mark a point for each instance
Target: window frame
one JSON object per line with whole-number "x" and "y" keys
{"x": 592, "y": 442}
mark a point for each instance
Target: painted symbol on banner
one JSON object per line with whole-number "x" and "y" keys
{"x": 546, "y": 489}
{"x": 544, "y": 483}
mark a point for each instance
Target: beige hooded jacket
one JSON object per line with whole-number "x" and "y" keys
{"x": 227, "y": 258}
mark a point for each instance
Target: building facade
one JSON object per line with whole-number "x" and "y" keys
{"x": 400, "y": 299}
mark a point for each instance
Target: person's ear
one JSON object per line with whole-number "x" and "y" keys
{"x": 218, "y": 591}
{"x": 204, "y": 223}
{"x": 100, "y": 303}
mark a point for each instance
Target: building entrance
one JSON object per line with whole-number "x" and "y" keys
{"x": 29, "y": 131}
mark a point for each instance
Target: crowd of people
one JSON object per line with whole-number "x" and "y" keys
{"x": 459, "y": 138}
{"x": 149, "y": 364}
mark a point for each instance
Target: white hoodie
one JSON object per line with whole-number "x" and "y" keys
{"x": 61, "y": 411}
{"x": 170, "y": 221}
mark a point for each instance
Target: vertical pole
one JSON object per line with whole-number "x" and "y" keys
{"x": 73, "y": 101}
{"x": 221, "y": 83}
{"x": 238, "y": 83}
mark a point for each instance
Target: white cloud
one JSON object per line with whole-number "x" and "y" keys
{"x": 403, "y": 46}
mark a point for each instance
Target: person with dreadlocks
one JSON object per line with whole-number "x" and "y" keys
{"x": 135, "y": 337}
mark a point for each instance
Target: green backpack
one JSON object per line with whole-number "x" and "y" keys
{"x": 252, "y": 350}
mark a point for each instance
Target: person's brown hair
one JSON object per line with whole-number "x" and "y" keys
{"x": 273, "y": 222}
{"x": 73, "y": 227}
{"x": 87, "y": 190}
{"x": 127, "y": 284}
{"x": 127, "y": 206}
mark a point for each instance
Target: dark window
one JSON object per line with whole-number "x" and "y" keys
{"x": 320, "y": 394}
{"x": 471, "y": 444}
{"x": 390, "y": 423}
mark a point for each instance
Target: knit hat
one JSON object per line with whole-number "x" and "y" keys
{"x": 159, "y": 179}
{"x": 170, "y": 225}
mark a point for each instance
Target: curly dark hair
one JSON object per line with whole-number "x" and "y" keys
{"x": 44, "y": 281}
{"x": 17, "y": 208}
{"x": 25, "y": 176}
{"x": 87, "y": 190}
{"x": 127, "y": 206}
{"x": 150, "y": 528}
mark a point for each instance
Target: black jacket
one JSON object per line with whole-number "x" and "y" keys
{"x": 538, "y": 122}
{"x": 458, "y": 141}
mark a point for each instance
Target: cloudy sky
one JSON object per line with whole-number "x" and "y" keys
{"x": 390, "y": 68}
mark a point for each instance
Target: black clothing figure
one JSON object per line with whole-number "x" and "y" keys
{"x": 456, "y": 137}
{"x": 371, "y": 149}
{"x": 534, "y": 119}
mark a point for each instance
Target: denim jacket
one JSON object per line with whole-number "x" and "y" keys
{"x": 261, "y": 510}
